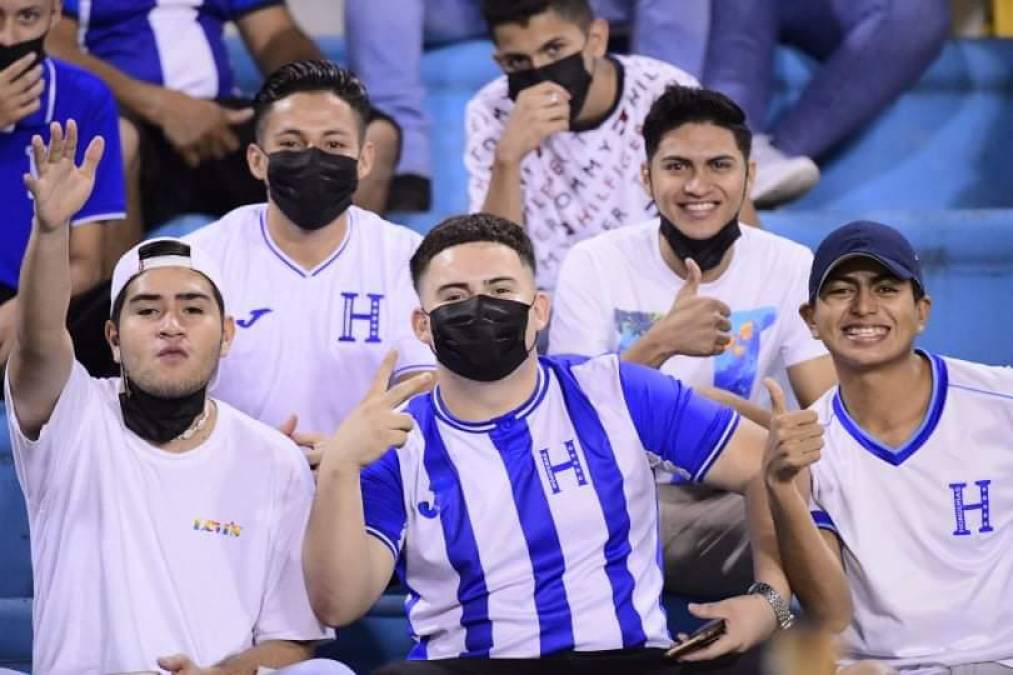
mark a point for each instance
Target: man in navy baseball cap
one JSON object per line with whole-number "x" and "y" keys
{"x": 865, "y": 238}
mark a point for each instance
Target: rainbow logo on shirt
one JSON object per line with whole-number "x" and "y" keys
{"x": 229, "y": 529}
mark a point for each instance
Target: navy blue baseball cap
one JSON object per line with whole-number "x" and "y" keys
{"x": 865, "y": 238}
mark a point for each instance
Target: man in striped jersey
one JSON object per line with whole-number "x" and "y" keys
{"x": 516, "y": 501}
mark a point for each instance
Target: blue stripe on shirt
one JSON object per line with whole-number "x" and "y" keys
{"x": 462, "y": 548}
{"x": 555, "y": 622}
{"x": 608, "y": 484}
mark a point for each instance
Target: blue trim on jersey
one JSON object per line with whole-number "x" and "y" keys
{"x": 555, "y": 621}
{"x": 383, "y": 540}
{"x": 719, "y": 448}
{"x": 517, "y": 414}
{"x": 897, "y": 456}
{"x": 823, "y": 521}
{"x": 607, "y": 479}
{"x": 278, "y": 253}
{"x": 985, "y": 392}
{"x": 462, "y": 547}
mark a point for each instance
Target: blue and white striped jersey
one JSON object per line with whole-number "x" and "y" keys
{"x": 926, "y": 529}
{"x": 177, "y": 44}
{"x": 537, "y": 532}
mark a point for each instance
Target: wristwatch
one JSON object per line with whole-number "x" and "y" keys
{"x": 782, "y": 613}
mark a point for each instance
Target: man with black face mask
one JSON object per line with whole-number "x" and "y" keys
{"x": 698, "y": 296}
{"x": 320, "y": 288}
{"x": 554, "y": 144}
{"x": 516, "y": 501}
{"x": 166, "y": 526}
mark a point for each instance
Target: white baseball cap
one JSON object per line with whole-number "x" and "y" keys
{"x": 162, "y": 252}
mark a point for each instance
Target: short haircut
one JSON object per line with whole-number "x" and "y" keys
{"x": 501, "y": 12}
{"x": 680, "y": 105}
{"x": 157, "y": 249}
{"x": 312, "y": 75}
{"x": 458, "y": 230}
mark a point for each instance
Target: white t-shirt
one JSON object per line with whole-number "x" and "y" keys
{"x": 309, "y": 342}
{"x": 614, "y": 287}
{"x": 576, "y": 184}
{"x": 926, "y": 529}
{"x": 138, "y": 553}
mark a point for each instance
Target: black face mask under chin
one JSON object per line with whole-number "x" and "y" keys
{"x": 157, "y": 419}
{"x": 707, "y": 253}
{"x": 569, "y": 73}
{"x": 482, "y": 338}
{"x": 311, "y": 187}
{"x": 11, "y": 53}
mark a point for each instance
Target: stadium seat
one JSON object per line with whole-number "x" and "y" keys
{"x": 15, "y": 564}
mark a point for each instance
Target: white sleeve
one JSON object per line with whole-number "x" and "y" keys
{"x": 797, "y": 343}
{"x": 482, "y": 130}
{"x": 285, "y": 613}
{"x": 582, "y": 319}
{"x": 44, "y": 463}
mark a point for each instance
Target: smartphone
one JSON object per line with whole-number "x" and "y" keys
{"x": 701, "y": 637}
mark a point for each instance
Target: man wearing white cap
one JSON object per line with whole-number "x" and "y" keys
{"x": 166, "y": 526}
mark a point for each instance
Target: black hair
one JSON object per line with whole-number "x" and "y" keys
{"x": 458, "y": 230}
{"x": 680, "y": 105}
{"x": 499, "y": 12}
{"x": 157, "y": 249}
{"x": 312, "y": 75}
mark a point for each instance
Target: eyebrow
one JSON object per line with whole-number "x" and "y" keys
{"x": 680, "y": 158}
{"x": 548, "y": 43}
{"x": 155, "y": 297}
{"x": 464, "y": 286}
{"x": 329, "y": 132}
{"x": 852, "y": 279}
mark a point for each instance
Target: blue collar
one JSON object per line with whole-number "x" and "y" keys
{"x": 896, "y": 456}
{"x": 291, "y": 264}
{"x": 520, "y": 412}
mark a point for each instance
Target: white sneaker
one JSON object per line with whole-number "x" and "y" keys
{"x": 780, "y": 178}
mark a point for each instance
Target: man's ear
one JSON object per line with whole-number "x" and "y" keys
{"x": 645, "y": 178}
{"x": 542, "y": 307}
{"x": 924, "y": 310}
{"x": 228, "y": 335}
{"x": 421, "y": 326}
{"x": 805, "y": 311}
{"x": 113, "y": 339}
{"x": 598, "y": 38}
{"x": 366, "y": 159}
{"x": 54, "y": 16}
{"x": 750, "y": 176}
{"x": 257, "y": 160}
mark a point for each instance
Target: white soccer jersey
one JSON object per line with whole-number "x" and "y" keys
{"x": 139, "y": 553}
{"x": 927, "y": 528}
{"x": 309, "y": 342}
{"x": 537, "y": 532}
{"x": 576, "y": 184}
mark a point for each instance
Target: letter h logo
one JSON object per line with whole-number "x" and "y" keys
{"x": 552, "y": 469}
{"x": 960, "y": 509}
{"x": 350, "y": 316}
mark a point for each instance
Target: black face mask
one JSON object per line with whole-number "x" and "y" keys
{"x": 481, "y": 338}
{"x": 707, "y": 253}
{"x": 311, "y": 187}
{"x": 569, "y": 73}
{"x": 11, "y": 53}
{"x": 156, "y": 419}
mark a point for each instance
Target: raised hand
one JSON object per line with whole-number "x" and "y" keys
{"x": 696, "y": 325}
{"x": 539, "y": 111}
{"x": 60, "y": 188}
{"x": 794, "y": 439}
{"x": 21, "y": 86}
{"x": 375, "y": 425}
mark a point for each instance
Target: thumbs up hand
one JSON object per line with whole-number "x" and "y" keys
{"x": 794, "y": 439}
{"x": 695, "y": 325}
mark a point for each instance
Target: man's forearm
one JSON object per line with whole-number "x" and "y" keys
{"x": 811, "y": 567}
{"x": 44, "y": 291}
{"x": 750, "y": 411}
{"x": 505, "y": 197}
{"x": 134, "y": 95}
{"x": 340, "y": 572}
{"x": 290, "y": 44}
{"x": 271, "y": 654}
{"x": 647, "y": 352}
{"x": 763, "y": 539}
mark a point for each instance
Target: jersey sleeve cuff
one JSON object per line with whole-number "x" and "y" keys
{"x": 719, "y": 447}
{"x": 385, "y": 540}
{"x": 98, "y": 217}
{"x": 823, "y": 521}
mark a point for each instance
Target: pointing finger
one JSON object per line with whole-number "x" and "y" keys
{"x": 777, "y": 404}
{"x": 403, "y": 391}
{"x": 381, "y": 379}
